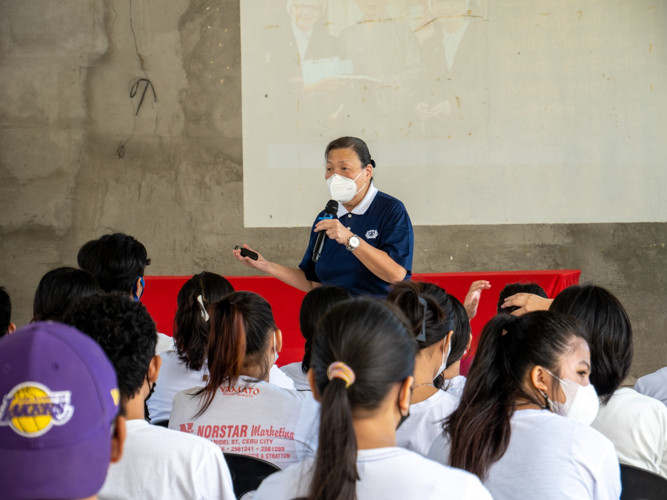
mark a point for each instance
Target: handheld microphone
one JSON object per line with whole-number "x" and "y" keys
{"x": 330, "y": 212}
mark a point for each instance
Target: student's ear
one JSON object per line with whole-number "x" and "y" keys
{"x": 313, "y": 385}
{"x": 137, "y": 289}
{"x": 404, "y": 394}
{"x": 11, "y": 328}
{"x": 447, "y": 342}
{"x": 469, "y": 342}
{"x": 118, "y": 440}
{"x": 279, "y": 341}
{"x": 538, "y": 378}
{"x": 154, "y": 369}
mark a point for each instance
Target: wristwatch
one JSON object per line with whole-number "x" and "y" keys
{"x": 353, "y": 243}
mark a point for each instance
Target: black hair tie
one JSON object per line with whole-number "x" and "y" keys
{"x": 372, "y": 162}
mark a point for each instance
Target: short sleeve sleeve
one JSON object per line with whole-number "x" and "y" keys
{"x": 397, "y": 237}
{"x": 307, "y": 265}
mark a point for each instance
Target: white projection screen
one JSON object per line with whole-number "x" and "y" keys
{"x": 475, "y": 111}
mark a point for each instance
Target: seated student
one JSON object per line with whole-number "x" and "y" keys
{"x": 238, "y": 409}
{"x": 118, "y": 262}
{"x": 58, "y": 290}
{"x": 60, "y": 427}
{"x": 636, "y": 424}
{"x": 6, "y": 325}
{"x": 515, "y": 427}
{"x": 451, "y": 379}
{"x": 157, "y": 462}
{"x": 185, "y": 366}
{"x": 363, "y": 357}
{"x": 433, "y": 330}
{"x": 654, "y": 385}
{"x": 512, "y": 289}
{"x": 316, "y": 302}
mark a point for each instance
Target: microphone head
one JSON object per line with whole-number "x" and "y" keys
{"x": 332, "y": 207}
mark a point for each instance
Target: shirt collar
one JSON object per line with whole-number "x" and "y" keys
{"x": 361, "y": 208}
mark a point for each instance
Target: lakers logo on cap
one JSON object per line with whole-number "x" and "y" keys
{"x": 31, "y": 409}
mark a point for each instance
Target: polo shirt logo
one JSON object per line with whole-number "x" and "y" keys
{"x": 371, "y": 234}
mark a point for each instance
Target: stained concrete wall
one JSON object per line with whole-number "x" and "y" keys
{"x": 76, "y": 163}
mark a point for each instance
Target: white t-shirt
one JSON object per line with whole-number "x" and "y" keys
{"x": 253, "y": 418}
{"x": 654, "y": 385}
{"x": 158, "y": 463}
{"x": 551, "y": 458}
{"x": 425, "y": 422}
{"x": 455, "y": 385}
{"x": 385, "y": 473}
{"x": 637, "y": 425}
{"x": 175, "y": 377}
{"x": 164, "y": 343}
{"x": 294, "y": 371}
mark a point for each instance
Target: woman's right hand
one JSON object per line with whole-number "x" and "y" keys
{"x": 527, "y": 302}
{"x": 261, "y": 263}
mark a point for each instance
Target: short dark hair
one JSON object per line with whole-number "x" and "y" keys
{"x": 59, "y": 289}
{"x": 124, "y": 330}
{"x": 5, "y": 311}
{"x": 356, "y": 145}
{"x": 116, "y": 260}
{"x": 609, "y": 334}
{"x": 514, "y": 288}
{"x": 317, "y": 302}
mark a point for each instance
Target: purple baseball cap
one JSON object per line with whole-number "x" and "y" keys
{"x": 58, "y": 401}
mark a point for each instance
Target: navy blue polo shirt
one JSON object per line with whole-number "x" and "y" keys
{"x": 384, "y": 224}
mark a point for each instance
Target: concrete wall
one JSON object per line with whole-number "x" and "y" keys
{"x": 75, "y": 162}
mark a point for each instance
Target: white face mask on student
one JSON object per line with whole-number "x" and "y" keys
{"x": 445, "y": 357}
{"x": 343, "y": 189}
{"x": 581, "y": 401}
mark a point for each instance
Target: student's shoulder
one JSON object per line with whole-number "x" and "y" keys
{"x": 177, "y": 441}
{"x": 291, "y": 482}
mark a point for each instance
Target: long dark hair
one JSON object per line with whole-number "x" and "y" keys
{"x": 371, "y": 338}
{"x": 242, "y": 327}
{"x": 430, "y": 320}
{"x": 59, "y": 289}
{"x": 609, "y": 334}
{"x": 509, "y": 347}
{"x": 317, "y": 302}
{"x": 190, "y": 326}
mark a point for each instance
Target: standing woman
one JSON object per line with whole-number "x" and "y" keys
{"x": 362, "y": 363}
{"x": 519, "y": 426}
{"x": 372, "y": 240}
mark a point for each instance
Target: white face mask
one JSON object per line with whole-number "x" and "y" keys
{"x": 343, "y": 189}
{"x": 581, "y": 401}
{"x": 445, "y": 357}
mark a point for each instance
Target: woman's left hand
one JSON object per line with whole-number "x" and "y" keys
{"x": 335, "y": 230}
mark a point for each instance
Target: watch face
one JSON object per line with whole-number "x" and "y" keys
{"x": 354, "y": 242}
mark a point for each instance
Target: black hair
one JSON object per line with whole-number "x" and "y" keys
{"x": 191, "y": 329}
{"x": 5, "y": 312}
{"x": 514, "y": 288}
{"x": 356, "y": 145}
{"x": 58, "y": 290}
{"x": 124, "y": 330}
{"x": 430, "y": 320}
{"x": 317, "y": 302}
{"x": 509, "y": 348}
{"x": 373, "y": 339}
{"x": 609, "y": 334}
{"x": 453, "y": 309}
{"x": 116, "y": 260}
{"x": 242, "y": 327}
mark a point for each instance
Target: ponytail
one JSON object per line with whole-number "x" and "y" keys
{"x": 191, "y": 326}
{"x": 509, "y": 347}
{"x": 241, "y": 326}
{"x": 371, "y": 340}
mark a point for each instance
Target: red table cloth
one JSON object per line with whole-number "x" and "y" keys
{"x": 161, "y": 292}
